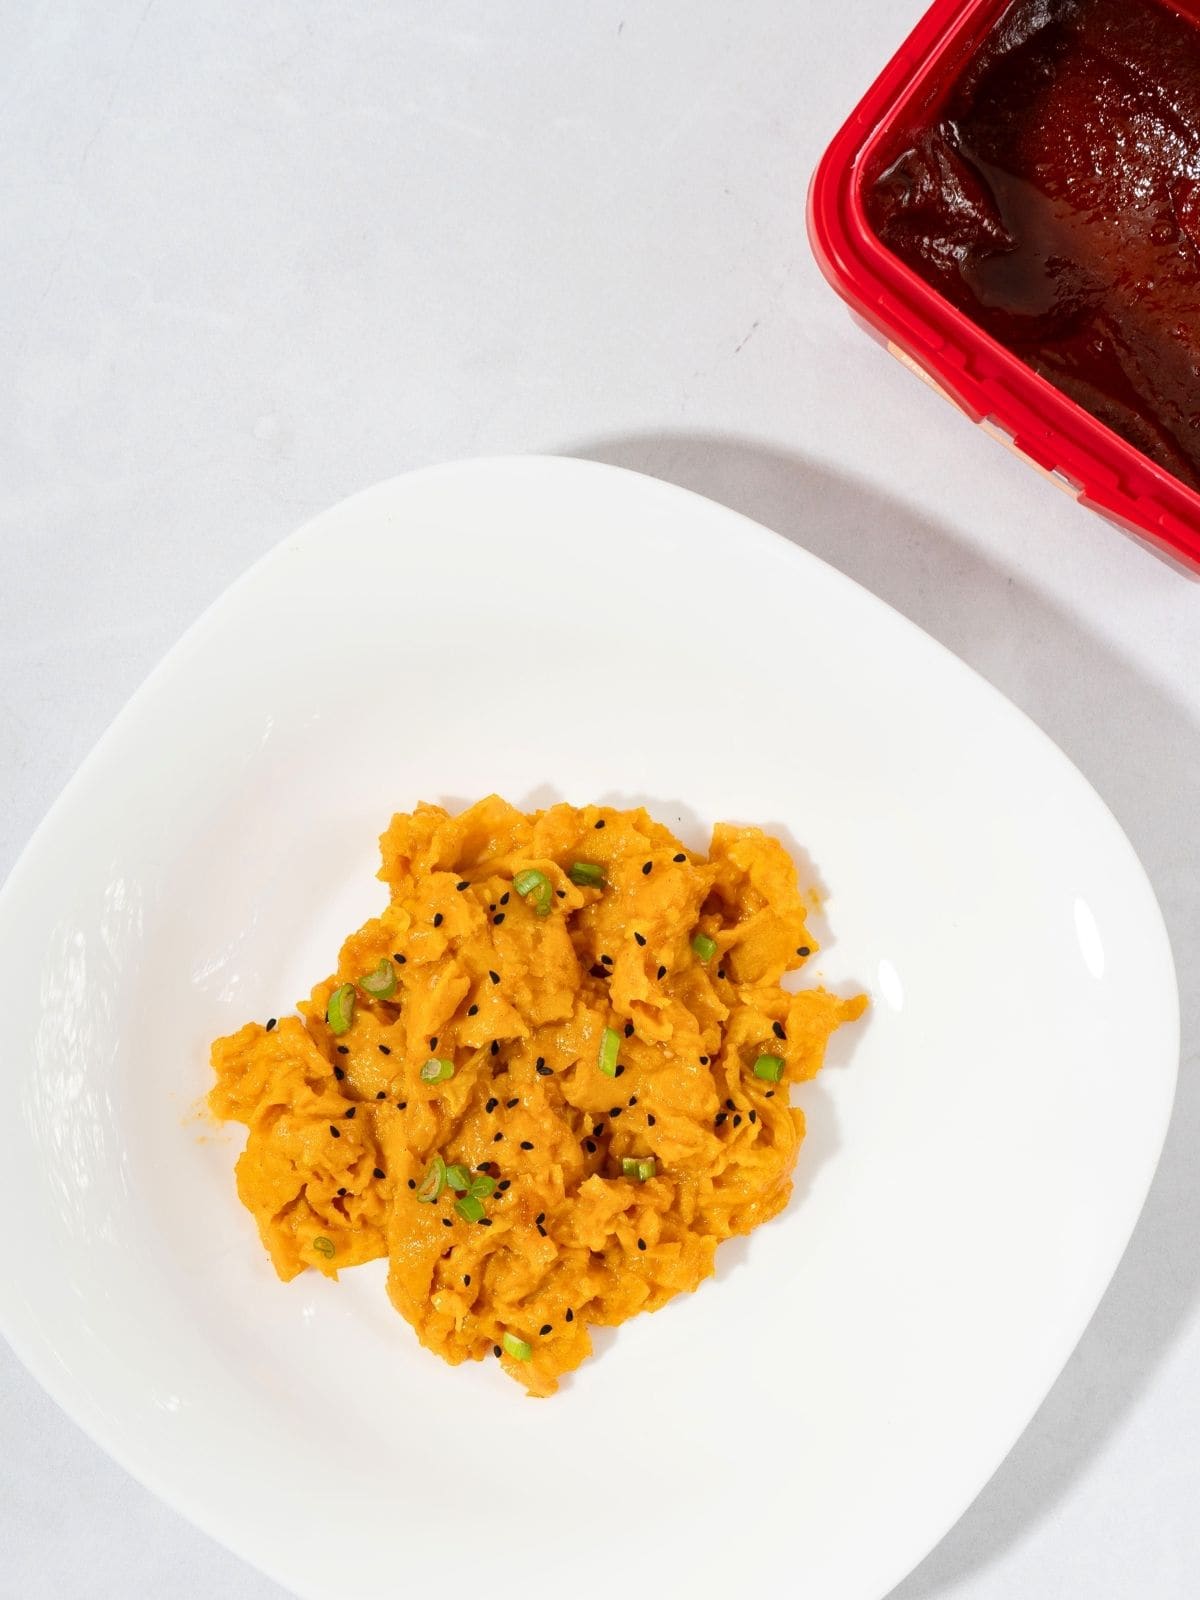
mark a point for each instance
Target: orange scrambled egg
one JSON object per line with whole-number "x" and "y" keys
{"x": 545, "y": 1083}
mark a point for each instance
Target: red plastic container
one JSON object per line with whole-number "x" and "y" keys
{"x": 994, "y": 387}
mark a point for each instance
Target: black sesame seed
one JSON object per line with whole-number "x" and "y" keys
{"x": 433, "y": 1042}
{"x": 703, "y": 1061}
{"x": 492, "y": 907}
{"x": 351, "y": 1111}
{"x": 770, "y": 1094}
{"x": 504, "y": 898}
{"x": 526, "y": 1144}
{"x": 633, "y": 1099}
{"x": 720, "y": 972}
{"x": 607, "y": 960}
{"x": 336, "y": 1132}
{"x": 597, "y": 971}
{"x": 541, "y": 1217}
{"x": 590, "y": 1146}
{"x": 495, "y": 1047}
{"x": 412, "y": 1183}
{"x": 343, "y": 1049}
{"x": 737, "y": 1122}
{"x": 338, "y": 1074}
{"x": 777, "y": 1030}
{"x": 505, "y": 1183}
{"x": 545, "y": 1328}
{"x": 721, "y": 1116}
{"x": 662, "y": 972}
{"x": 729, "y": 1106}
{"x": 495, "y": 1349}
{"x": 496, "y": 1138}
{"x": 598, "y": 1129}
{"x": 647, "y": 868}
{"x": 491, "y": 1105}
{"x": 343, "y": 1191}
{"x": 385, "y": 1049}
{"x": 542, "y": 1231}
{"x": 803, "y": 950}
{"x": 460, "y": 887}
{"x": 382, "y": 1095}
{"x": 379, "y": 1173}
{"x": 570, "y": 1315}
{"x": 544, "y": 1071}
{"x": 599, "y": 824}
{"x": 509, "y": 1104}
{"x": 640, "y": 937}
{"x": 398, "y": 958}
{"x": 498, "y": 918}
{"x": 494, "y": 976}
{"x": 650, "y": 1119}
{"x": 401, "y": 1105}
{"x": 437, "y": 919}
{"x": 753, "y": 1115}
{"x": 629, "y": 1030}
{"x": 614, "y": 1112}
{"x": 641, "y": 1244}
{"x": 472, "y": 1011}
{"x": 447, "y": 1222}
{"x": 466, "y": 1280}
{"x": 618, "y": 1069}
{"x": 271, "y": 1021}
{"x": 540, "y": 1062}
{"x": 561, "y": 893}
{"x": 485, "y": 1222}
{"x": 679, "y": 857}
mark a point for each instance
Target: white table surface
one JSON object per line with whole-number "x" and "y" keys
{"x": 256, "y": 257}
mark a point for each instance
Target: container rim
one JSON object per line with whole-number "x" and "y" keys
{"x": 991, "y": 384}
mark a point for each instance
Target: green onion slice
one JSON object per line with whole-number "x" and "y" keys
{"x": 536, "y": 884}
{"x": 519, "y": 1349}
{"x": 458, "y": 1178}
{"x": 639, "y": 1167}
{"x": 437, "y": 1070}
{"x": 704, "y": 947}
{"x": 433, "y": 1182}
{"x": 586, "y": 874}
{"x": 469, "y": 1208}
{"x": 483, "y": 1186}
{"x": 339, "y": 1013}
{"x": 610, "y": 1046}
{"x": 323, "y": 1246}
{"x": 769, "y": 1067}
{"x": 381, "y": 983}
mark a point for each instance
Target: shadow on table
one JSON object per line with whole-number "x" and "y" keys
{"x": 1141, "y": 751}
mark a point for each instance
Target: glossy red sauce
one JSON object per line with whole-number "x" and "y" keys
{"x": 1055, "y": 200}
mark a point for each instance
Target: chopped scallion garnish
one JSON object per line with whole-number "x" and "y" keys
{"x": 639, "y": 1167}
{"x": 586, "y": 874}
{"x": 433, "y": 1182}
{"x": 535, "y": 887}
{"x": 339, "y": 1013}
{"x": 380, "y": 984}
{"x": 610, "y": 1046}
{"x": 483, "y": 1186}
{"x": 458, "y": 1178}
{"x": 437, "y": 1070}
{"x": 704, "y": 947}
{"x": 469, "y": 1208}
{"x": 519, "y": 1349}
{"x": 769, "y": 1067}
{"x": 323, "y": 1246}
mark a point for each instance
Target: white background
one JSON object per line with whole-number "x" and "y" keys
{"x": 259, "y": 256}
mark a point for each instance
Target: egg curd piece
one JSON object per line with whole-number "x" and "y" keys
{"x": 545, "y": 1083}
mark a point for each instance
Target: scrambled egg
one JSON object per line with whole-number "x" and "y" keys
{"x": 545, "y": 1083}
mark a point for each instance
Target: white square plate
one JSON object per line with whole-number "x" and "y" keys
{"x": 979, "y": 1148}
